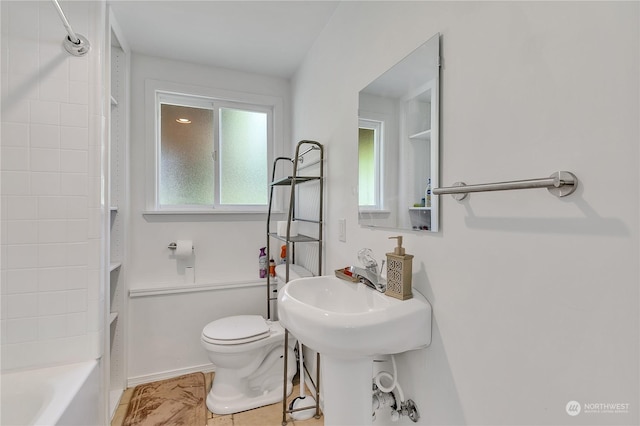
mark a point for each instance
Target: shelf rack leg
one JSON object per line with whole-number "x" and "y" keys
{"x": 317, "y": 416}
{"x": 284, "y": 380}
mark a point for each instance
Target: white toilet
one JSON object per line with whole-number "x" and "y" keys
{"x": 248, "y": 352}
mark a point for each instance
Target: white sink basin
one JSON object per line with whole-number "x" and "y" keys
{"x": 350, "y": 320}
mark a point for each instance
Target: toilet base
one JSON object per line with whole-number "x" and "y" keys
{"x": 231, "y": 394}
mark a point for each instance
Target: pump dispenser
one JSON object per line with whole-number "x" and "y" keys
{"x": 399, "y": 271}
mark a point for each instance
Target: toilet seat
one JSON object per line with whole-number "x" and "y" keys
{"x": 236, "y": 330}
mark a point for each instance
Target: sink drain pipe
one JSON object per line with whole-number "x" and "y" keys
{"x": 383, "y": 396}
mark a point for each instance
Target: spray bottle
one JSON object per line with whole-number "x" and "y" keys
{"x": 283, "y": 254}
{"x": 263, "y": 263}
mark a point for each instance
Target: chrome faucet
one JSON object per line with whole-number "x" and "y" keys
{"x": 369, "y": 275}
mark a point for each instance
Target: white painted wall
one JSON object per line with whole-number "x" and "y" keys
{"x": 52, "y": 130}
{"x": 165, "y": 330}
{"x": 535, "y": 298}
{"x": 226, "y": 247}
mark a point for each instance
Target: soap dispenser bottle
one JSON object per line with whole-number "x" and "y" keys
{"x": 399, "y": 270}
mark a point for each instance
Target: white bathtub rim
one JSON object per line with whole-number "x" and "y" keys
{"x": 65, "y": 380}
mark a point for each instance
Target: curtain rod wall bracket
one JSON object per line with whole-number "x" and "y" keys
{"x": 74, "y": 43}
{"x": 77, "y": 49}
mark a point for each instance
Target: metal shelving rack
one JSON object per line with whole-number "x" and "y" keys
{"x": 302, "y": 148}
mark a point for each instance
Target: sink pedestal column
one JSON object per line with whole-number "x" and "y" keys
{"x": 346, "y": 389}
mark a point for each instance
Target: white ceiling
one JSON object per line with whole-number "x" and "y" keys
{"x": 265, "y": 37}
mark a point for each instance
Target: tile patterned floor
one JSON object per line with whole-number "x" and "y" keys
{"x": 270, "y": 415}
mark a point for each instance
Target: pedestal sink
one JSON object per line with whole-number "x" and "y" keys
{"x": 348, "y": 324}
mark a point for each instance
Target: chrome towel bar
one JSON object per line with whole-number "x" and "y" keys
{"x": 560, "y": 184}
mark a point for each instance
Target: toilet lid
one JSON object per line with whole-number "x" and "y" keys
{"x": 236, "y": 329}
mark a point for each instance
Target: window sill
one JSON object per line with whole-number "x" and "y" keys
{"x": 374, "y": 212}
{"x": 201, "y": 212}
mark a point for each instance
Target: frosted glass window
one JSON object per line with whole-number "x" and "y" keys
{"x": 243, "y": 154}
{"x": 212, "y": 154}
{"x": 186, "y": 156}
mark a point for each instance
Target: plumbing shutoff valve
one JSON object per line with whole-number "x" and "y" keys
{"x": 382, "y": 400}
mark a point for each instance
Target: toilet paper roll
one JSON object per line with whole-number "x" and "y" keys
{"x": 282, "y": 228}
{"x": 184, "y": 249}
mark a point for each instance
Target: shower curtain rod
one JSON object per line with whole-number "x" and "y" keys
{"x": 75, "y": 43}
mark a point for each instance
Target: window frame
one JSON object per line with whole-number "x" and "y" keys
{"x": 210, "y": 98}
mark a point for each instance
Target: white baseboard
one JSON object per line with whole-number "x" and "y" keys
{"x": 135, "y": 381}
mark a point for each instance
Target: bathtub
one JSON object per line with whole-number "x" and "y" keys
{"x": 62, "y": 395}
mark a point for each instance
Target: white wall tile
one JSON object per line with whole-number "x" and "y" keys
{"x": 15, "y": 134}
{"x": 45, "y": 112}
{"x": 79, "y": 70}
{"x": 73, "y": 161}
{"x": 44, "y": 136}
{"x": 24, "y": 22}
{"x": 52, "y": 89}
{"x": 23, "y": 305}
{"x": 95, "y": 186}
{"x": 15, "y": 159}
{"x": 15, "y": 109}
{"x": 51, "y": 255}
{"x": 52, "y": 231}
{"x": 78, "y": 254}
{"x": 74, "y": 137}
{"x": 97, "y": 124}
{"x": 52, "y": 327}
{"x": 22, "y": 232}
{"x": 45, "y": 160}
{"x": 93, "y": 285}
{"x": 4, "y": 85}
{"x": 23, "y": 56}
{"x": 79, "y": 93}
{"x": 52, "y": 303}
{"x": 95, "y": 223}
{"x": 77, "y": 230}
{"x": 76, "y": 301}
{"x": 22, "y": 256}
{"x": 39, "y": 95}
{"x": 76, "y": 323}
{"x": 54, "y": 60}
{"x": 93, "y": 250}
{"x": 22, "y": 330}
{"x": 77, "y": 278}
{"x": 52, "y": 208}
{"x": 73, "y": 184}
{"x": 15, "y": 183}
{"x": 23, "y": 86}
{"x": 22, "y": 207}
{"x": 74, "y": 115}
{"x": 22, "y": 355}
{"x": 76, "y": 207}
{"x": 94, "y": 317}
{"x": 22, "y": 281}
{"x": 43, "y": 183}
{"x": 95, "y": 161}
{"x": 52, "y": 279}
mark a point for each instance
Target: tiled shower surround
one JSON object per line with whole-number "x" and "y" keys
{"x": 52, "y": 191}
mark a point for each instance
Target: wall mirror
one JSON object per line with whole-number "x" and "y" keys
{"x": 398, "y": 144}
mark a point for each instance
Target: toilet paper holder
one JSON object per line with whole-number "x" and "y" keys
{"x": 173, "y": 246}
